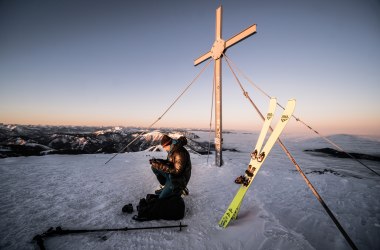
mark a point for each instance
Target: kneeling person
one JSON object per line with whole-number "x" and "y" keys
{"x": 174, "y": 172}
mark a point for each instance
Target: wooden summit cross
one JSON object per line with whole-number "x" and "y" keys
{"x": 216, "y": 53}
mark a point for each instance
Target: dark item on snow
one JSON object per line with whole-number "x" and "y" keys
{"x": 128, "y": 208}
{"x": 51, "y": 232}
{"x": 152, "y": 208}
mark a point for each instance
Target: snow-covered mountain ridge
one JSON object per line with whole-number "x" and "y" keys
{"x": 34, "y": 140}
{"x": 28, "y": 140}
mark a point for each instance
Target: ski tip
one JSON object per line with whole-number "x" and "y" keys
{"x": 291, "y": 102}
{"x": 273, "y": 101}
{"x": 290, "y": 107}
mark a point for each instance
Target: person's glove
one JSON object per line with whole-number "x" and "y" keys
{"x": 155, "y": 163}
{"x": 158, "y": 163}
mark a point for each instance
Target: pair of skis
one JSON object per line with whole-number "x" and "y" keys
{"x": 258, "y": 157}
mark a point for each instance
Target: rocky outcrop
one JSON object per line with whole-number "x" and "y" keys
{"x": 339, "y": 154}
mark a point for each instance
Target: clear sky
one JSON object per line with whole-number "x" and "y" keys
{"x": 124, "y": 62}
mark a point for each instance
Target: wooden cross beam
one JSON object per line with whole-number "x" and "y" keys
{"x": 216, "y": 52}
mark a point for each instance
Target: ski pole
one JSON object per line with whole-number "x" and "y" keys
{"x": 51, "y": 232}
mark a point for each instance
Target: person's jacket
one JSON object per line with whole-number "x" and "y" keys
{"x": 178, "y": 164}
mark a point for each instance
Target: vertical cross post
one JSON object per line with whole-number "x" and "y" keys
{"x": 218, "y": 90}
{"x": 216, "y": 53}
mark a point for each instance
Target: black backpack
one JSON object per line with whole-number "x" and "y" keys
{"x": 152, "y": 208}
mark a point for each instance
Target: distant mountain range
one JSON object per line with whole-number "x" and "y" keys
{"x": 28, "y": 140}
{"x": 340, "y": 154}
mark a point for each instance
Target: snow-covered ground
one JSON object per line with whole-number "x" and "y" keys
{"x": 279, "y": 210}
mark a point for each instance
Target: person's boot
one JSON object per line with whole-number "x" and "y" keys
{"x": 185, "y": 191}
{"x": 158, "y": 191}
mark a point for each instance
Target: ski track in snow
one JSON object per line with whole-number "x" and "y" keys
{"x": 279, "y": 211}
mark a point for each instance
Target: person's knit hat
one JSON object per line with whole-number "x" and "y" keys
{"x": 166, "y": 140}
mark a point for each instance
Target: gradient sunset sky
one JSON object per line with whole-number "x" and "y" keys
{"x": 123, "y": 63}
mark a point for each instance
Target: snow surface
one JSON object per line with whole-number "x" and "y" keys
{"x": 279, "y": 210}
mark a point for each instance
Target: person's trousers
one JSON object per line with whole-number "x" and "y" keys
{"x": 164, "y": 179}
